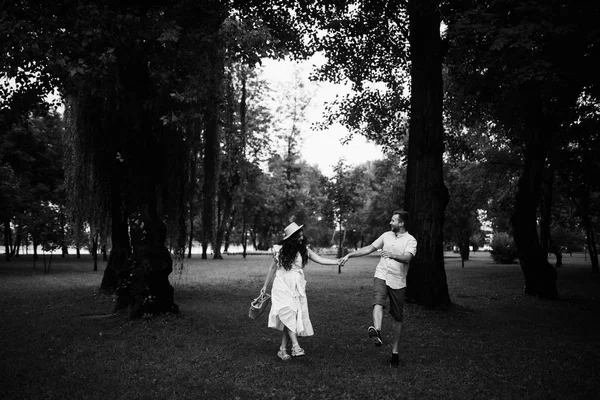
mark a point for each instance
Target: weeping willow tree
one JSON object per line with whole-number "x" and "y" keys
{"x": 130, "y": 142}
{"x": 118, "y": 169}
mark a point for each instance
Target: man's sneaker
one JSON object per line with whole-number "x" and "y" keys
{"x": 375, "y": 335}
{"x": 394, "y": 361}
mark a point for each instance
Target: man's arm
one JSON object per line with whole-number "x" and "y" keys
{"x": 403, "y": 258}
{"x": 363, "y": 251}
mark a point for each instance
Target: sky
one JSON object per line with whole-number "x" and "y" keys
{"x": 323, "y": 147}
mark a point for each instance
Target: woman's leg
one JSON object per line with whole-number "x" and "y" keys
{"x": 284, "y": 338}
{"x": 282, "y": 353}
{"x": 293, "y": 337}
{"x": 297, "y": 351}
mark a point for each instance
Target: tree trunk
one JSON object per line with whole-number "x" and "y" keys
{"x": 228, "y": 229}
{"x": 94, "y": 239}
{"x": 191, "y": 237}
{"x": 426, "y": 196}
{"x": 16, "y": 243}
{"x": 117, "y": 267}
{"x": 582, "y": 202}
{"x": 212, "y": 151}
{"x": 204, "y": 250}
{"x": 464, "y": 244}
{"x": 63, "y": 235}
{"x": 150, "y": 291}
{"x": 223, "y": 225}
{"x": 592, "y": 248}
{"x": 540, "y": 275}
{"x": 244, "y": 239}
{"x": 556, "y": 251}
{"x": 6, "y": 239}
{"x": 546, "y": 209}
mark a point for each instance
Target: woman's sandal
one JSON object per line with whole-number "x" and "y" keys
{"x": 297, "y": 351}
{"x": 282, "y": 353}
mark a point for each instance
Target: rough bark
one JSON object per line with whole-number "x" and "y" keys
{"x": 540, "y": 275}
{"x": 117, "y": 266}
{"x": 149, "y": 290}
{"x": 426, "y": 195}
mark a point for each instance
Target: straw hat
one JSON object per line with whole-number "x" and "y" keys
{"x": 291, "y": 229}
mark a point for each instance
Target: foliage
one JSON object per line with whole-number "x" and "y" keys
{"x": 380, "y": 191}
{"x": 342, "y": 196}
{"x": 32, "y": 179}
{"x": 469, "y": 192}
{"x": 503, "y": 247}
{"x": 365, "y": 44}
{"x": 521, "y": 67}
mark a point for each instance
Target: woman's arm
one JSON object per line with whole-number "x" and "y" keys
{"x": 321, "y": 260}
{"x": 270, "y": 274}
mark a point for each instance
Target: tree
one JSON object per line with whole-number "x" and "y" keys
{"x": 426, "y": 196}
{"x": 366, "y": 42}
{"x": 341, "y": 193}
{"x": 510, "y": 59}
{"x": 142, "y": 84}
{"x": 468, "y": 191}
{"x": 30, "y": 156}
{"x": 383, "y": 193}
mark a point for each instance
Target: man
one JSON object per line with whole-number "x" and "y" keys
{"x": 398, "y": 248}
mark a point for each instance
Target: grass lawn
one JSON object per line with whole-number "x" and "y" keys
{"x": 496, "y": 343}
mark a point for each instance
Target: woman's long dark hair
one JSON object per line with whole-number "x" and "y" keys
{"x": 291, "y": 247}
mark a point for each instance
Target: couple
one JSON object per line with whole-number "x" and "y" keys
{"x": 289, "y": 309}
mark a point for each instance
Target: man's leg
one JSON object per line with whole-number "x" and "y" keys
{"x": 379, "y": 299}
{"x": 397, "y": 312}
{"x": 397, "y": 327}
{"x": 377, "y": 316}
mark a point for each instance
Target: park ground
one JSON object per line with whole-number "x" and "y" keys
{"x": 58, "y": 339}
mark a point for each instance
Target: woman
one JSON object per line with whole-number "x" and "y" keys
{"x": 289, "y": 307}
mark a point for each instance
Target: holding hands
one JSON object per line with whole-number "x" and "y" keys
{"x": 342, "y": 261}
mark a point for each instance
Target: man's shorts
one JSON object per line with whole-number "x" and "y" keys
{"x": 381, "y": 292}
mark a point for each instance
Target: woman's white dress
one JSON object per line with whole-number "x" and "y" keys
{"x": 289, "y": 306}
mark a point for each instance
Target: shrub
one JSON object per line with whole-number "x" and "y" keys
{"x": 504, "y": 250}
